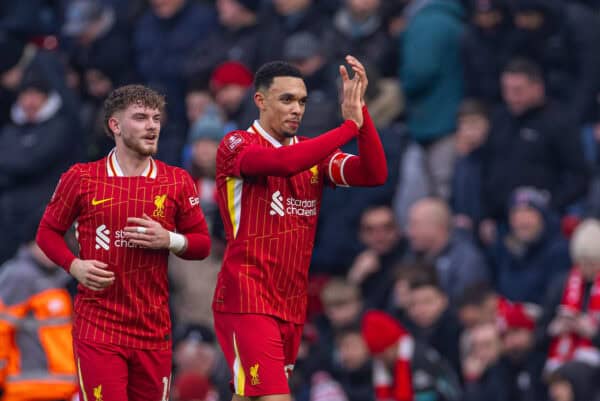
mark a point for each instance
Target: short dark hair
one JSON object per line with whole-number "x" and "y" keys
{"x": 525, "y": 67}
{"x": 123, "y": 97}
{"x": 425, "y": 276}
{"x": 472, "y": 107}
{"x": 475, "y": 295}
{"x": 263, "y": 79}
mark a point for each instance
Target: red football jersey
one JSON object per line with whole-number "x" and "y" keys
{"x": 270, "y": 224}
{"x": 134, "y": 310}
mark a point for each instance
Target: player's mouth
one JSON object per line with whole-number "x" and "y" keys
{"x": 150, "y": 138}
{"x": 293, "y": 123}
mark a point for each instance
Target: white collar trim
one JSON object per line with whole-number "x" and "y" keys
{"x": 114, "y": 169}
{"x": 258, "y": 129}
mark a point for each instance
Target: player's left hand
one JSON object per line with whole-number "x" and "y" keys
{"x": 359, "y": 69}
{"x": 146, "y": 232}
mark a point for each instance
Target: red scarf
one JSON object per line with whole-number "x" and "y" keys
{"x": 399, "y": 387}
{"x": 571, "y": 346}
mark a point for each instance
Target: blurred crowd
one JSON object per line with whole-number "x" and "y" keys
{"x": 482, "y": 248}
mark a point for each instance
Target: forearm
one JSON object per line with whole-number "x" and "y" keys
{"x": 289, "y": 160}
{"x": 197, "y": 243}
{"x": 53, "y": 243}
{"x": 370, "y": 167}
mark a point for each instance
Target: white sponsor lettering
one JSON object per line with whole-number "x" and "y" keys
{"x": 293, "y": 206}
{"x": 194, "y": 200}
{"x": 276, "y": 204}
{"x": 102, "y": 237}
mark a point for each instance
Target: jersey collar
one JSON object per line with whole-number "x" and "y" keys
{"x": 258, "y": 129}
{"x": 114, "y": 170}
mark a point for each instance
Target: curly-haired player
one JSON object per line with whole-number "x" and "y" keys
{"x": 131, "y": 210}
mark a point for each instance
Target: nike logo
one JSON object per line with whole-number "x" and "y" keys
{"x": 100, "y": 201}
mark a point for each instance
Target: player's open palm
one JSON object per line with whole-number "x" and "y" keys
{"x": 92, "y": 274}
{"x": 351, "y": 97}
{"x": 147, "y": 233}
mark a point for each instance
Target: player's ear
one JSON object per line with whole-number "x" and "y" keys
{"x": 114, "y": 125}
{"x": 259, "y": 100}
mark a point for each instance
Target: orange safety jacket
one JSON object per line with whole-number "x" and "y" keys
{"x": 35, "y": 327}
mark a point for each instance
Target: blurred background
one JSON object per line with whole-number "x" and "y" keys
{"x": 483, "y": 244}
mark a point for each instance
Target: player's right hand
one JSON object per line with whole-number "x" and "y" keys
{"x": 92, "y": 274}
{"x": 352, "y": 90}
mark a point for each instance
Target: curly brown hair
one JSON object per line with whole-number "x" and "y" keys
{"x": 123, "y": 97}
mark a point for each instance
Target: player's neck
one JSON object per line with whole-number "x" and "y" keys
{"x": 132, "y": 164}
{"x": 282, "y": 139}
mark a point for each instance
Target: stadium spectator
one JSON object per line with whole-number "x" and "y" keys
{"x": 430, "y": 317}
{"x": 521, "y": 362}
{"x": 399, "y": 361}
{"x": 575, "y": 381}
{"x": 287, "y": 17}
{"x": 343, "y": 306}
{"x": 238, "y": 38}
{"x": 432, "y": 84}
{"x": 230, "y": 84}
{"x": 306, "y": 52}
{"x": 485, "y": 49}
{"x": 358, "y": 29}
{"x": 569, "y": 329}
{"x": 162, "y": 40}
{"x": 353, "y": 368}
{"x": 195, "y": 353}
{"x": 533, "y": 251}
{"x": 35, "y": 149}
{"x": 373, "y": 268}
{"x": 532, "y": 142}
{"x": 481, "y": 349}
{"x": 11, "y": 72}
{"x": 193, "y": 387}
{"x": 561, "y": 37}
{"x": 37, "y": 309}
{"x": 470, "y": 138}
{"x": 457, "y": 261}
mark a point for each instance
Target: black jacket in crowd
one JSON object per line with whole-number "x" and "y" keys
{"x": 540, "y": 148}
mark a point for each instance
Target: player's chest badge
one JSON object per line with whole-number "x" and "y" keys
{"x": 159, "y": 203}
{"x": 315, "y": 175}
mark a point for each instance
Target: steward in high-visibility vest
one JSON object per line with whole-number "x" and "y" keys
{"x": 36, "y": 348}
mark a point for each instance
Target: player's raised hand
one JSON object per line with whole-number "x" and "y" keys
{"x": 92, "y": 274}
{"x": 359, "y": 69}
{"x": 351, "y": 97}
{"x": 147, "y": 233}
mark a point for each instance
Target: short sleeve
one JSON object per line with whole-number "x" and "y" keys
{"x": 230, "y": 152}
{"x": 64, "y": 206}
{"x": 189, "y": 213}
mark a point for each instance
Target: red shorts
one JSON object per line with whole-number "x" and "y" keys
{"x": 260, "y": 350}
{"x": 114, "y": 373}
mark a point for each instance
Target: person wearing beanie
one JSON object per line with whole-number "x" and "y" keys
{"x": 570, "y": 325}
{"x": 230, "y": 85}
{"x": 399, "y": 360}
{"x": 392, "y": 347}
{"x": 533, "y": 252}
